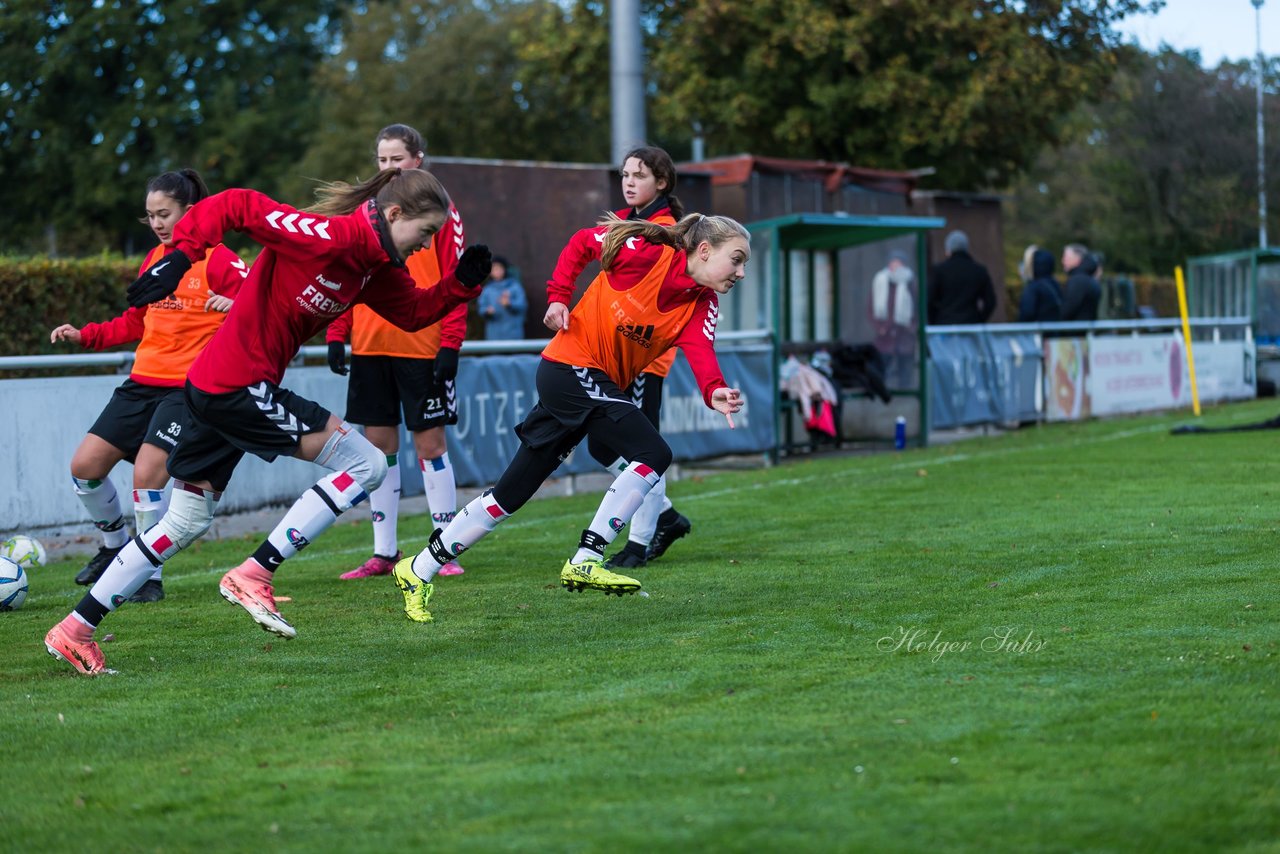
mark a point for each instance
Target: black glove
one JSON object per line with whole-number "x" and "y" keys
{"x": 338, "y": 358}
{"x": 159, "y": 280}
{"x": 474, "y": 265}
{"x": 447, "y": 363}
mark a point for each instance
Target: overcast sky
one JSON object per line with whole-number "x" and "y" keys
{"x": 1219, "y": 29}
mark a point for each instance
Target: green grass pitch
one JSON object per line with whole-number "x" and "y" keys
{"x": 1060, "y": 639}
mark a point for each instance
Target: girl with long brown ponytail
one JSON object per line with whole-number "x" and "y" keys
{"x": 658, "y": 289}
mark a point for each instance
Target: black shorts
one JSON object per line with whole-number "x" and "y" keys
{"x": 263, "y": 419}
{"x": 380, "y": 388}
{"x": 646, "y": 393}
{"x": 140, "y": 413}
{"x": 567, "y": 397}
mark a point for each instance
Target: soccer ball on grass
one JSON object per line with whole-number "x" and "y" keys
{"x": 25, "y": 551}
{"x": 13, "y": 585}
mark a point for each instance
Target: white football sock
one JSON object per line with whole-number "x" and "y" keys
{"x": 620, "y": 502}
{"x": 645, "y": 520}
{"x": 148, "y": 507}
{"x": 470, "y": 525}
{"x": 313, "y": 513}
{"x": 102, "y": 501}
{"x": 384, "y": 506}
{"x": 123, "y": 576}
{"x": 442, "y": 492}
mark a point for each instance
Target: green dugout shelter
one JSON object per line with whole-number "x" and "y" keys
{"x": 810, "y": 283}
{"x": 1238, "y": 284}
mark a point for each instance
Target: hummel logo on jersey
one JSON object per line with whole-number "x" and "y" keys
{"x": 155, "y": 271}
{"x": 457, "y": 231}
{"x": 709, "y": 325}
{"x": 637, "y": 332}
{"x": 333, "y": 286}
{"x": 296, "y": 223}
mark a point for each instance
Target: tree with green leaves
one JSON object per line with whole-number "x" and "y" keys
{"x": 1162, "y": 166}
{"x": 97, "y": 97}
{"x": 451, "y": 70}
{"x": 973, "y": 89}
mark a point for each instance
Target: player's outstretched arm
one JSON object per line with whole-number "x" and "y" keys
{"x": 727, "y": 401}
{"x": 65, "y": 332}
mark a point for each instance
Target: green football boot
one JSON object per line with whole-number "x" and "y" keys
{"x": 592, "y": 574}
{"x": 417, "y": 593}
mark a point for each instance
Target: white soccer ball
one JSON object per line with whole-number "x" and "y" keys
{"x": 25, "y": 551}
{"x": 13, "y": 585}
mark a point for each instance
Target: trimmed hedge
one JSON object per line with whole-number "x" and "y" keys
{"x": 42, "y": 293}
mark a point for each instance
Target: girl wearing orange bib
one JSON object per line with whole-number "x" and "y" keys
{"x": 658, "y": 289}
{"x": 143, "y": 420}
{"x": 648, "y": 186}
{"x": 398, "y": 376}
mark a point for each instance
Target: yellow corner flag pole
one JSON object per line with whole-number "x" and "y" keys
{"x": 1186, "y": 337}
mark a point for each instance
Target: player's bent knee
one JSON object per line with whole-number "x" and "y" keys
{"x": 351, "y": 452}
{"x": 190, "y": 515}
{"x": 377, "y": 471}
{"x": 657, "y": 458}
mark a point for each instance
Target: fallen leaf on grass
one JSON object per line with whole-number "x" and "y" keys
{"x": 994, "y": 584}
{"x": 922, "y": 473}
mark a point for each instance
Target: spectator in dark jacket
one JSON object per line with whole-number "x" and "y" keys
{"x": 1083, "y": 291}
{"x": 1041, "y": 297}
{"x": 960, "y": 289}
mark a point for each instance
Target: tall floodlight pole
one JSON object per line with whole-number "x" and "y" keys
{"x": 626, "y": 77}
{"x": 1262, "y": 160}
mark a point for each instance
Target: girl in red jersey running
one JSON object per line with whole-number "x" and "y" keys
{"x": 658, "y": 289}
{"x": 314, "y": 266}
{"x": 648, "y": 186}
{"x": 398, "y": 375}
{"x": 143, "y": 419}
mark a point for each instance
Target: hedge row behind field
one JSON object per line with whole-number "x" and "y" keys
{"x": 41, "y": 294}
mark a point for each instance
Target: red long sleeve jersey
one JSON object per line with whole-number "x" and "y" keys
{"x": 372, "y": 336}
{"x": 634, "y": 263}
{"x": 312, "y": 269}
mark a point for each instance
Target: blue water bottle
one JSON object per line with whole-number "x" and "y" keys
{"x": 900, "y": 433}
